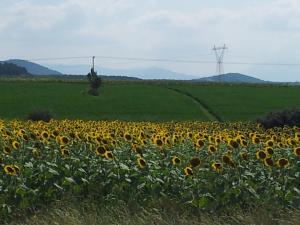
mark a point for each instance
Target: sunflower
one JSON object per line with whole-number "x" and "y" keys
{"x": 55, "y": 133}
{"x": 16, "y": 168}
{"x": 141, "y": 162}
{"x": 232, "y": 143}
{"x": 297, "y": 136}
{"x": 101, "y": 150}
{"x": 36, "y": 153}
{"x": 291, "y": 142}
{"x": 7, "y": 150}
{"x": 212, "y": 149}
{"x": 25, "y": 137}
{"x": 296, "y": 151}
{"x": 189, "y": 135}
{"x": 176, "y": 160}
{"x": 244, "y": 143}
{"x": 261, "y": 154}
{"x": 269, "y": 150}
{"x": 127, "y": 137}
{"x": 65, "y": 152}
{"x": 280, "y": 144}
{"x": 270, "y": 143}
{"x": 217, "y": 166}
{"x": 282, "y": 162}
{"x": 199, "y": 143}
{"x": 10, "y": 170}
{"x": 137, "y": 149}
{"x": 158, "y": 142}
{"x": 64, "y": 140}
{"x": 195, "y": 161}
{"x": 188, "y": 171}
{"x": 268, "y": 162}
{"x": 218, "y": 141}
{"x": 211, "y": 139}
{"x": 45, "y": 135}
{"x": 228, "y": 160}
{"x": 255, "y": 140}
{"x": 15, "y": 145}
{"x": 108, "y": 155}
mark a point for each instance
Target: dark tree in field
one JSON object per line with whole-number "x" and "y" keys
{"x": 95, "y": 82}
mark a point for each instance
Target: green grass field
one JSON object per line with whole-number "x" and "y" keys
{"x": 144, "y": 101}
{"x": 242, "y": 103}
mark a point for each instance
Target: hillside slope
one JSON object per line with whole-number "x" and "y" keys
{"x": 33, "y": 68}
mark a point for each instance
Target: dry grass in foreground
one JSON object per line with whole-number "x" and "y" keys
{"x": 91, "y": 213}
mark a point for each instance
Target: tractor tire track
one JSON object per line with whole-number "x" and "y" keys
{"x": 204, "y": 108}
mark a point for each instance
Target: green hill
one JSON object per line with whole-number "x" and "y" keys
{"x": 33, "y": 68}
{"x": 10, "y": 69}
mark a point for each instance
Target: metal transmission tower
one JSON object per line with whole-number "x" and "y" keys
{"x": 219, "y": 52}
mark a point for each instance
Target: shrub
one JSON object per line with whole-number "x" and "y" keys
{"x": 287, "y": 117}
{"x": 40, "y": 114}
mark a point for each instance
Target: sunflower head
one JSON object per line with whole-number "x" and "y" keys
{"x": 188, "y": 171}
{"x": 232, "y": 143}
{"x": 158, "y": 142}
{"x": 244, "y": 143}
{"x": 36, "y": 153}
{"x": 212, "y": 149}
{"x": 282, "y": 163}
{"x": 127, "y": 137}
{"x": 108, "y": 155}
{"x": 45, "y": 135}
{"x": 217, "y": 166}
{"x": 269, "y": 150}
{"x": 199, "y": 143}
{"x": 101, "y": 150}
{"x": 65, "y": 152}
{"x": 64, "y": 140}
{"x": 15, "y": 145}
{"x": 176, "y": 160}
{"x": 255, "y": 140}
{"x": 296, "y": 151}
{"x": 141, "y": 162}
{"x": 10, "y": 170}
{"x": 195, "y": 161}
{"x": 268, "y": 162}
{"x": 291, "y": 142}
{"x": 7, "y": 150}
{"x": 228, "y": 160}
{"x": 261, "y": 154}
{"x": 270, "y": 143}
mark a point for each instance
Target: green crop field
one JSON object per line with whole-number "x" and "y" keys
{"x": 242, "y": 103}
{"x": 144, "y": 101}
{"x": 69, "y": 100}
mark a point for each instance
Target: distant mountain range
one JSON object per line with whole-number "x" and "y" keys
{"x": 150, "y": 73}
{"x": 142, "y": 73}
{"x": 33, "y": 68}
{"x": 231, "y": 78}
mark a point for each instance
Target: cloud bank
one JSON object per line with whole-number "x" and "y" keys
{"x": 255, "y": 31}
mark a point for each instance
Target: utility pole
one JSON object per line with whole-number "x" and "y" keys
{"x": 93, "y": 59}
{"x": 219, "y": 53}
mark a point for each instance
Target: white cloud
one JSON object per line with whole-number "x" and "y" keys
{"x": 260, "y": 31}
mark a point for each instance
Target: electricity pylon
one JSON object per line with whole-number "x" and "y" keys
{"x": 219, "y": 52}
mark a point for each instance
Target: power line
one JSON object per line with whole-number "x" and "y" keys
{"x": 164, "y": 60}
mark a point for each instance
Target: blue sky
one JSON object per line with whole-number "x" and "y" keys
{"x": 254, "y": 31}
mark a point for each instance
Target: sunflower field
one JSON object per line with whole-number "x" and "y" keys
{"x": 207, "y": 165}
